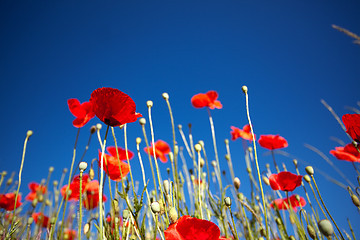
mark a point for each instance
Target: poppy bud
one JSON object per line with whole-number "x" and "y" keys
{"x": 29, "y": 133}
{"x": 149, "y": 103}
{"x": 55, "y": 183}
{"x": 309, "y": 170}
{"x": 213, "y": 163}
{"x": 248, "y": 170}
{"x": 292, "y": 237}
{"x": 257, "y": 198}
{"x": 240, "y": 196}
{"x": 202, "y": 162}
{"x": 82, "y": 166}
{"x": 65, "y": 170}
{"x": 47, "y": 202}
{"x": 266, "y": 180}
{"x": 227, "y": 201}
{"x": 91, "y": 174}
{"x": 250, "y": 149}
{"x": 197, "y": 147}
{"x": 155, "y": 207}
{"x": 171, "y": 156}
{"x": 292, "y": 220}
{"x": 34, "y": 202}
{"x": 98, "y": 126}
{"x": 326, "y": 227}
{"x": 278, "y": 221}
{"x": 138, "y": 140}
{"x": 192, "y": 177}
{"x": 125, "y": 214}
{"x": 237, "y": 183}
{"x": 307, "y": 178}
{"x": 226, "y": 141}
{"x": 227, "y": 157}
{"x": 262, "y": 232}
{"x": 311, "y": 231}
{"x": 295, "y": 162}
{"x": 30, "y": 220}
{"x": 244, "y": 89}
{"x": 86, "y": 228}
{"x": 165, "y": 96}
{"x": 92, "y": 129}
{"x": 201, "y": 142}
{"x": 166, "y": 186}
{"x": 51, "y": 169}
{"x": 4, "y": 173}
{"x": 142, "y": 121}
{"x": 173, "y": 215}
{"x": 9, "y": 181}
{"x": 116, "y": 207}
{"x": 257, "y": 209}
{"x": 179, "y": 126}
{"x": 168, "y": 170}
{"x": 355, "y": 200}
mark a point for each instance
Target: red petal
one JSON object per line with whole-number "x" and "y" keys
{"x": 200, "y": 100}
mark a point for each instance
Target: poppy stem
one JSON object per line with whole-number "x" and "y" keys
{"x": 199, "y": 184}
{"x": 317, "y": 189}
{"x": 28, "y": 134}
{"x": 149, "y": 104}
{"x": 177, "y": 185}
{"x": 101, "y": 210}
{"x": 184, "y": 140}
{"x": 246, "y": 221}
{"x": 128, "y": 160}
{"x": 276, "y": 166}
{"x": 215, "y": 149}
{"x": 80, "y": 205}
{"x": 256, "y": 160}
{"x": 150, "y": 160}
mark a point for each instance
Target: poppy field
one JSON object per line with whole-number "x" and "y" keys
{"x": 190, "y": 200}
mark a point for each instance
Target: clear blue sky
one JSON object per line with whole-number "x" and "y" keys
{"x": 286, "y": 52}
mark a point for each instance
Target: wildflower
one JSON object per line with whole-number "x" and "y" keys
{"x": 121, "y": 152}
{"x": 75, "y": 187}
{"x": 83, "y": 112}
{"x": 161, "y": 149}
{"x": 347, "y": 153}
{"x": 283, "y": 203}
{"x": 206, "y": 100}
{"x": 111, "y": 167}
{"x": 35, "y": 189}
{"x": 91, "y": 200}
{"x": 7, "y": 201}
{"x": 70, "y": 234}
{"x": 113, "y": 107}
{"x": 187, "y": 227}
{"x": 244, "y": 133}
{"x": 272, "y": 142}
{"x": 41, "y": 219}
{"x": 285, "y": 181}
{"x": 352, "y": 124}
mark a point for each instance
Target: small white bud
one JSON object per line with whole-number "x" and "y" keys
{"x": 82, "y": 166}
{"x": 142, "y": 121}
{"x": 165, "y": 95}
{"x": 149, "y": 103}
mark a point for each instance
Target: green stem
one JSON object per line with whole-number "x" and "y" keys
{"x": 80, "y": 205}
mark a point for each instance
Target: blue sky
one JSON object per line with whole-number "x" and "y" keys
{"x": 286, "y": 52}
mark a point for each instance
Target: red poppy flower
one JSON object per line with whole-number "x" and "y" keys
{"x": 41, "y": 219}
{"x": 111, "y": 166}
{"x": 113, "y": 107}
{"x": 70, "y": 234}
{"x": 186, "y": 228}
{"x": 244, "y": 133}
{"x": 91, "y": 200}
{"x": 283, "y": 203}
{"x": 206, "y": 100}
{"x": 285, "y": 181}
{"x": 121, "y": 152}
{"x": 347, "y": 153}
{"x": 35, "y": 189}
{"x": 161, "y": 150}
{"x": 75, "y": 187}
{"x": 352, "y": 124}
{"x": 272, "y": 142}
{"x": 83, "y": 112}
{"x": 7, "y": 201}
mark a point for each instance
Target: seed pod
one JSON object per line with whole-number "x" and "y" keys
{"x": 142, "y": 121}
{"x": 149, "y": 103}
{"x": 173, "y": 215}
{"x": 266, "y": 180}
{"x": 155, "y": 207}
{"x": 326, "y": 227}
{"x": 227, "y": 201}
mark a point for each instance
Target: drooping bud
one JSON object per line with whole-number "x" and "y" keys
{"x": 326, "y": 227}
{"x": 266, "y": 180}
{"x": 355, "y": 200}
{"x": 311, "y": 231}
{"x": 29, "y": 133}
{"x": 309, "y": 170}
{"x": 91, "y": 174}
